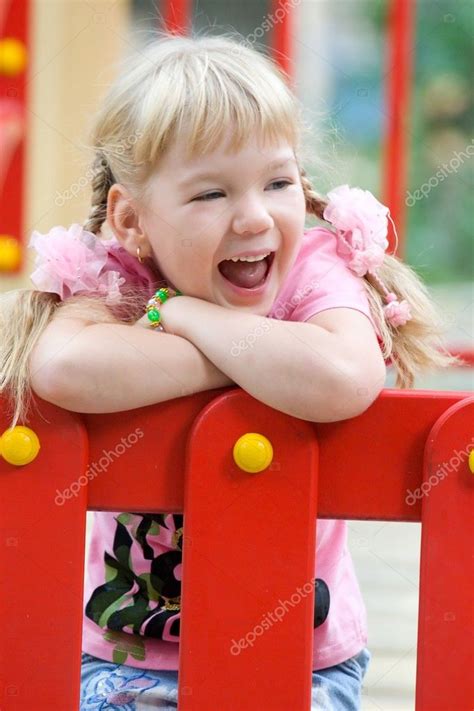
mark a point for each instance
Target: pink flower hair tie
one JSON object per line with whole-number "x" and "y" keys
{"x": 361, "y": 227}
{"x": 75, "y": 261}
{"x": 398, "y": 313}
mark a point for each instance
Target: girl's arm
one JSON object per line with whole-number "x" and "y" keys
{"x": 102, "y": 367}
{"x": 325, "y": 370}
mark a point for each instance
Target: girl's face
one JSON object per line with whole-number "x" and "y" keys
{"x": 212, "y": 208}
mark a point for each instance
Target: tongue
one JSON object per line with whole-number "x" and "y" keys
{"x": 244, "y": 274}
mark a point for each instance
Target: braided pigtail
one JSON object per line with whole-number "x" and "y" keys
{"x": 315, "y": 204}
{"x": 101, "y": 183}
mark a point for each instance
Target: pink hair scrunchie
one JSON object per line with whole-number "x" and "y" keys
{"x": 75, "y": 261}
{"x": 361, "y": 223}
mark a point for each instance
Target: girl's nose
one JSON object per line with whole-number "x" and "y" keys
{"x": 250, "y": 215}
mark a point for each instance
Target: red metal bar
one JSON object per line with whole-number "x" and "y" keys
{"x": 466, "y": 355}
{"x": 399, "y": 70}
{"x": 445, "y": 609}
{"x": 397, "y": 451}
{"x": 15, "y": 27}
{"x": 41, "y": 559}
{"x": 177, "y": 16}
{"x": 281, "y": 17}
{"x": 253, "y": 565}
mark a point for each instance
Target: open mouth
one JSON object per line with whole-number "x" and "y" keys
{"x": 247, "y": 275}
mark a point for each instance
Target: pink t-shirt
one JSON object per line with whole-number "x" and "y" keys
{"x": 133, "y": 576}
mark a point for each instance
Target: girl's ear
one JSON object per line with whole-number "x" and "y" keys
{"x": 124, "y": 221}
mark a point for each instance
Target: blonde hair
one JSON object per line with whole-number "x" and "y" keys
{"x": 193, "y": 88}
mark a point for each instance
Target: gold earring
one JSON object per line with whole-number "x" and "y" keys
{"x": 138, "y": 256}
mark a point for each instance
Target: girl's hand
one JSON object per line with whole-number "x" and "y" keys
{"x": 175, "y": 313}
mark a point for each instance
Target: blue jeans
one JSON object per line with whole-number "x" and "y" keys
{"x": 106, "y": 686}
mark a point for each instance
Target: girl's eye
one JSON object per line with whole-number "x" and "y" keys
{"x": 285, "y": 182}
{"x": 207, "y": 196}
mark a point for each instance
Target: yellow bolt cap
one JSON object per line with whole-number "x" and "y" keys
{"x": 253, "y": 452}
{"x": 9, "y": 253}
{"x": 12, "y": 56}
{"x": 19, "y": 445}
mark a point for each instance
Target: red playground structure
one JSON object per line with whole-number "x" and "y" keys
{"x": 225, "y": 458}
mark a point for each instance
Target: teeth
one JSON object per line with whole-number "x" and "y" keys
{"x": 250, "y": 259}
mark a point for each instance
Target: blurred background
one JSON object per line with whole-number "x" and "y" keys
{"x": 340, "y": 70}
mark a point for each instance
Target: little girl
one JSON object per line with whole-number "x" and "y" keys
{"x": 194, "y": 271}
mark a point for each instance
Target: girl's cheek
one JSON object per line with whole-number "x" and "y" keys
{"x": 206, "y": 216}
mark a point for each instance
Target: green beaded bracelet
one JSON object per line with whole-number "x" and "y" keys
{"x": 153, "y": 314}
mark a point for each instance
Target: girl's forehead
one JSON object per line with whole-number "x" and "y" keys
{"x": 180, "y": 155}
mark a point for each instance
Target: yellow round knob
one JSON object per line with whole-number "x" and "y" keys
{"x": 10, "y": 253}
{"x": 253, "y": 452}
{"x": 471, "y": 461}
{"x": 12, "y": 56}
{"x": 19, "y": 445}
